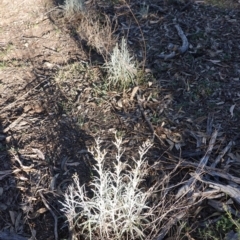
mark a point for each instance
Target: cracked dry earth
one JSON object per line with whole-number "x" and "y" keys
{"x": 46, "y": 125}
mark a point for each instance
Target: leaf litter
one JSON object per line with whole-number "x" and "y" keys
{"x": 188, "y": 104}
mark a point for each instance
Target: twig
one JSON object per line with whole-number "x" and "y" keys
{"x": 185, "y": 43}
{"x": 144, "y": 115}
{"x": 169, "y": 224}
{"x": 206, "y": 169}
{"x": 212, "y": 171}
{"x": 6, "y": 173}
{"x": 54, "y": 216}
{"x": 24, "y": 168}
{"x": 209, "y": 194}
{"x": 147, "y": 120}
{"x": 144, "y": 48}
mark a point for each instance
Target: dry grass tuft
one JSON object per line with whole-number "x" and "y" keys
{"x": 98, "y": 33}
{"x": 122, "y": 68}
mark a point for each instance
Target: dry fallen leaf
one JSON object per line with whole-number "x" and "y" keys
{"x": 119, "y": 103}
{"x": 12, "y": 216}
{"x": 231, "y": 109}
{"x": 2, "y": 137}
{"x": 134, "y": 91}
{"x": 38, "y": 108}
{"x": 39, "y": 153}
{"x": 27, "y": 108}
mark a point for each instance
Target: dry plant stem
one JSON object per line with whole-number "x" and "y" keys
{"x": 53, "y": 214}
{"x": 144, "y": 43}
{"x": 97, "y": 35}
{"x": 169, "y": 224}
{"x": 184, "y": 189}
{"x": 147, "y": 120}
{"x": 144, "y": 115}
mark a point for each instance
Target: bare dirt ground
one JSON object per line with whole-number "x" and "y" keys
{"x": 54, "y": 103}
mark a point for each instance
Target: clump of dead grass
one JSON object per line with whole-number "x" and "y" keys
{"x": 98, "y": 33}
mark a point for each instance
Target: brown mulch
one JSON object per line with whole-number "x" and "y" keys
{"x": 54, "y": 103}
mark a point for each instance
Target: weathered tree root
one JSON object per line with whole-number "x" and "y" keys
{"x": 179, "y": 50}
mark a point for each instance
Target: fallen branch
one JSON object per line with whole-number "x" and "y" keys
{"x": 233, "y": 192}
{"x": 186, "y": 188}
{"x": 212, "y": 171}
{"x": 179, "y": 50}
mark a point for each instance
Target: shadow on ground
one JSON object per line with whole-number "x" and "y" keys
{"x": 41, "y": 148}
